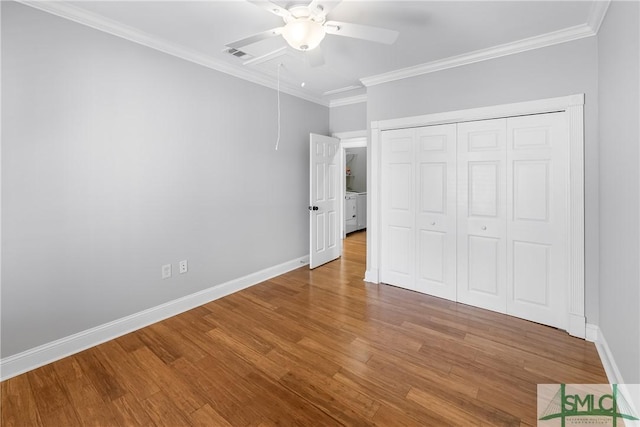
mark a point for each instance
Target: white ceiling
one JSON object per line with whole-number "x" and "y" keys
{"x": 430, "y": 32}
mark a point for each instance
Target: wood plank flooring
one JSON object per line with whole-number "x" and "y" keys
{"x": 311, "y": 348}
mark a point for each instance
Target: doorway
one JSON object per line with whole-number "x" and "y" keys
{"x": 353, "y": 154}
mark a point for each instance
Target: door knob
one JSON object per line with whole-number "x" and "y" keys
{"x": 433, "y": 223}
{"x": 313, "y": 208}
{"x": 484, "y": 227}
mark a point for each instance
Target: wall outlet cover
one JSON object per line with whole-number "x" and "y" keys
{"x": 183, "y": 266}
{"x": 166, "y": 271}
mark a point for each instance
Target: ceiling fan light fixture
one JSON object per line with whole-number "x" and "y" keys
{"x": 303, "y": 34}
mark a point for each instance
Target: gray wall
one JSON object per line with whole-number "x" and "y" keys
{"x": 117, "y": 159}
{"x": 619, "y": 71}
{"x": 559, "y": 70}
{"x": 348, "y": 117}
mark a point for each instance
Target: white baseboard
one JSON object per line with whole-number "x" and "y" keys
{"x": 630, "y": 391}
{"x": 592, "y": 333}
{"x": 371, "y": 276}
{"x": 39, "y": 356}
{"x": 608, "y": 362}
{"x": 577, "y": 324}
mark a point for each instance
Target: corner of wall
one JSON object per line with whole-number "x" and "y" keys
{"x": 595, "y": 335}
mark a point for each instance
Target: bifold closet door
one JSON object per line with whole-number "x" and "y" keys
{"x": 436, "y": 210}
{"x": 512, "y": 216}
{"x": 482, "y": 230}
{"x": 398, "y": 235}
{"x": 537, "y": 198}
{"x": 477, "y": 213}
{"x": 419, "y": 209}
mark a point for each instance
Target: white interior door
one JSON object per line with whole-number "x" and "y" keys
{"x": 435, "y": 156}
{"x": 482, "y": 214}
{"x": 398, "y": 213}
{"x": 324, "y": 206}
{"x": 537, "y": 189}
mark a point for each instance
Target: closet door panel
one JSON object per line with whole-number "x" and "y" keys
{"x": 436, "y": 210}
{"x": 537, "y": 189}
{"x": 530, "y": 273}
{"x": 431, "y": 263}
{"x": 481, "y": 225}
{"x": 483, "y": 264}
{"x": 398, "y": 212}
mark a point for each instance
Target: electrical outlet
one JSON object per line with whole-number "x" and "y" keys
{"x": 166, "y": 271}
{"x": 183, "y": 267}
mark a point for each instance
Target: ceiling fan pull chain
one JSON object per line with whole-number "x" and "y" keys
{"x": 278, "y": 140}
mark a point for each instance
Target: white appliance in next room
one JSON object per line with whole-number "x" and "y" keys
{"x": 355, "y": 211}
{"x": 350, "y": 212}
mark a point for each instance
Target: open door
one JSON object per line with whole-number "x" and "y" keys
{"x": 324, "y": 205}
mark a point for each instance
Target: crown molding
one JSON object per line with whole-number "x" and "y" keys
{"x": 531, "y": 43}
{"x": 342, "y": 89}
{"x": 65, "y": 10}
{"x": 597, "y": 14}
{"x": 340, "y": 102}
{"x": 351, "y": 134}
{"x": 95, "y": 21}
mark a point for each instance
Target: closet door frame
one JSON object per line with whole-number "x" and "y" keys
{"x": 573, "y": 107}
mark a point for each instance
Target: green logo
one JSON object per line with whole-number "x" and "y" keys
{"x": 586, "y": 404}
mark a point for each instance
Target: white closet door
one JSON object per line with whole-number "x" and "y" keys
{"x": 397, "y": 265}
{"x": 482, "y": 214}
{"x": 435, "y": 148}
{"x": 537, "y": 188}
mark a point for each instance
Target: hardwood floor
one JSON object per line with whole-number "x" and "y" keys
{"x": 314, "y": 348}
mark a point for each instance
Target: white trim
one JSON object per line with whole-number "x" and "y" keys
{"x": 0, "y": 168}
{"x": 577, "y": 323}
{"x": 608, "y": 362}
{"x": 98, "y": 22}
{"x": 101, "y": 23}
{"x": 353, "y": 142}
{"x": 592, "y": 332}
{"x": 573, "y": 106}
{"x": 350, "y": 134}
{"x": 575, "y": 218}
{"x": 482, "y": 113}
{"x": 631, "y": 391}
{"x": 340, "y": 102}
{"x": 372, "y": 272}
{"x": 519, "y": 46}
{"x": 58, "y": 349}
{"x": 342, "y": 89}
{"x": 597, "y": 13}
{"x": 371, "y": 276}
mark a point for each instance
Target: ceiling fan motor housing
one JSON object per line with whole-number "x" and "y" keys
{"x": 304, "y": 28}
{"x": 303, "y": 33}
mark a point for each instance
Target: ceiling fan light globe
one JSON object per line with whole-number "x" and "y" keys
{"x": 303, "y": 34}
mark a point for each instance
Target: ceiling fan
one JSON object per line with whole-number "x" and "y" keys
{"x": 305, "y": 26}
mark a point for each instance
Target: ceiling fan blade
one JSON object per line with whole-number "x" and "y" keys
{"x": 365, "y": 32}
{"x": 254, "y": 38}
{"x": 271, "y": 7}
{"x": 315, "y": 57}
{"x": 323, "y": 6}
